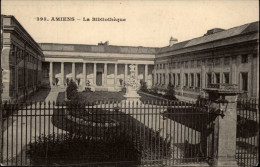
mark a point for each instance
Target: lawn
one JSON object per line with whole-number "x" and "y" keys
{"x": 93, "y": 97}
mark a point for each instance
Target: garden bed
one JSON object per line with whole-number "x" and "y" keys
{"x": 129, "y": 141}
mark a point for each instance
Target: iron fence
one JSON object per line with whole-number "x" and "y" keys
{"x": 247, "y": 133}
{"x": 136, "y": 133}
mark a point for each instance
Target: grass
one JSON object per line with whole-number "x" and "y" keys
{"x": 93, "y": 97}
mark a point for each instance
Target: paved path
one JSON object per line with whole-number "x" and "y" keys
{"x": 26, "y": 126}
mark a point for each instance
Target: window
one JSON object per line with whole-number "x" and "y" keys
{"x": 217, "y": 61}
{"x": 226, "y": 78}
{"x": 209, "y": 62}
{"x": 186, "y": 64}
{"x": 192, "y": 80}
{"x": 20, "y": 77}
{"x": 174, "y": 65}
{"x": 244, "y": 58}
{"x": 170, "y": 79}
{"x": 244, "y": 77}
{"x": 12, "y": 81}
{"x": 217, "y": 75}
{"x": 186, "y": 80}
{"x": 226, "y": 60}
{"x": 198, "y": 79}
{"x": 209, "y": 78}
{"x": 173, "y": 79}
{"x": 192, "y": 64}
{"x": 198, "y": 63}
{"x": 163, "y": 79}
{"x": 178, "y": 79}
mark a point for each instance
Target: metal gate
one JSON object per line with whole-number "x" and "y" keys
{"x": 247, "y": 133}
{"x": 150, "y": 133}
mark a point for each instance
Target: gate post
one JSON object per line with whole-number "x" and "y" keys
{"x": 1, "y": 133}
{"x": 223, "y": 98}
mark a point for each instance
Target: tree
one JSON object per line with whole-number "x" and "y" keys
{"x": 170, "y": 93}
{"x": 143, "y": 86}
{"x": 71, "y": 90}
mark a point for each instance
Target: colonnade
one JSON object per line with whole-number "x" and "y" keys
{"x": 104, "y": 72}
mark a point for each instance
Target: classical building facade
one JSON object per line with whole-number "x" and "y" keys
{"x": 220, "y": 56}
{"x": 21, "y": 60}
{"x": 100, "y": 67}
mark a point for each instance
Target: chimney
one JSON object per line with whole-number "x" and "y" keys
{"x": 173, "y": 41}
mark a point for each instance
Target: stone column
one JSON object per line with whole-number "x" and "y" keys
{"x": 224, "y": 99}
{"x": 105, "y": 74}
{"x": 115, "y": 82}
{"x": 181, "y": 79}
{"x": 126, "y": 72}
{"x": 203, "y": 77}
{"x": 136, "y": 71}
{"x": 233, "y": 71}
{"x": 146, "y": 72}
{"x": 95, "y": 74}
{"x": 62, "y": 73}
{"x": 51, "y": 74}
{"x": 73, "y": 72}
{"x": 255, "y": 73}
{"x": 84, "y": 76}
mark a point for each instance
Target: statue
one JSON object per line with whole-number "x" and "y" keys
{"x": 132, "y": 86}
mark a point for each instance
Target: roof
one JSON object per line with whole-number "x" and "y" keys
{"x": 18, "y": 26}
{"x": 232, "y": 32}
{"x": 97, "y": 48}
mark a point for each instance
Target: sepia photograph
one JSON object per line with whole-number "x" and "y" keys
{"x": 129, "y": 83}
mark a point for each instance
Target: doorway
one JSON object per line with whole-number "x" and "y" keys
{"x": 99, "y": 78}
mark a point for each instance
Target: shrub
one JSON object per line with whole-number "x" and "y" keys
{"x": 64, "y": 149}
{"x": 155, "y": 90}
{"x": 170, "y": 93}
{"x": 143, "y": 86}
{"x": 71, "y": 90}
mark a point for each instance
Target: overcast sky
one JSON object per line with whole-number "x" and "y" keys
{"x": 148, "y": 23}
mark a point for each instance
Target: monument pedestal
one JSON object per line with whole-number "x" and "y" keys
{"x": 132, "y": 97}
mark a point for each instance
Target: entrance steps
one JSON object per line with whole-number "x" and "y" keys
{"x": 107, "y": 88}
{"x": 101, "y": 88}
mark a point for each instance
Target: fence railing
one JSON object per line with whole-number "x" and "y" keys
{"x": 247, "y": 133}
{"x": 151, "y": 133}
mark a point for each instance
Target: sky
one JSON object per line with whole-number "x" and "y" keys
{"x": 148, "y": 23}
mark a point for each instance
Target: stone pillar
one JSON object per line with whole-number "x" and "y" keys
{"x": 233, "y": 71}
{"x": 73, "y": 72}
{"x": 62, "y": 73}
{"x": 203, "y": 77}
{"x": 84, "y": 76}
{"x": 255, "y": 73}
{"x": 146, "y": 72}
{"x": 95, "y": 74}
{"x": 105, "y": 74}
{"x": 51, "y": 74}
{"x": 126, "y": 72}
{"x": 115, "y": 82}
{"x": 224, "y": 99}
{"x": 203, "y": 80}
{"x": 181, "y": 79}
{"x": 136, "y": 71}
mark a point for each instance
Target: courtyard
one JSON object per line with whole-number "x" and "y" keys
{"x": 156, "y": 133}
{"x": 152, "y": 137}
